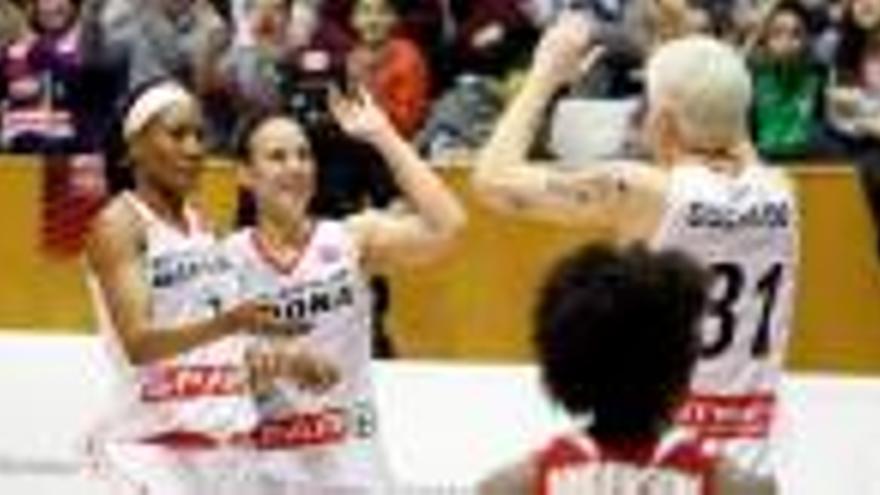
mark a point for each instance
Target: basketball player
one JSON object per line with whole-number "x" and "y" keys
{"x": 315, "y": 271}
{"x": 163, "y": 297}
{"x": 597, "y": 306}
{"x": 705, "y": 193}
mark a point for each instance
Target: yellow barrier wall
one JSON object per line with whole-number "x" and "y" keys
{"x": 476, "y": 302}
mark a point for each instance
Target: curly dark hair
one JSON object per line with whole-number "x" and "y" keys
{"x": 616, "y": 336}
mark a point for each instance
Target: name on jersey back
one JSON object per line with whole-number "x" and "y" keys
{"x": 764, "y": 215}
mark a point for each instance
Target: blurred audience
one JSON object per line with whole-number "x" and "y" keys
{"x": 47, "y": 95}
{"x": 392, "y": 67}
{"x": 12, "y": 22}
{"x": 854, "y": 98}
{"x": 787, "y": 113}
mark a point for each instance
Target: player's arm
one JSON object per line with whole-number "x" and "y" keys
{"x": 433, "y": 217}
{"x": 115, "y": 254}
{"x": 506, "y": 180}
{"x": 515, "y": 479}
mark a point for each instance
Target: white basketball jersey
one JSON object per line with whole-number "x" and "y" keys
{"x": 199, "y": 391}
{"x": 744, "y": 228}
{"x": 333, "y": 436}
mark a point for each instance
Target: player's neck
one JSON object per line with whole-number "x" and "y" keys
{"x": 164, "y": 203}
{"x": 284, "y": 236}
{"x": 727, "y": 160}
{"x": 614, "y": 435}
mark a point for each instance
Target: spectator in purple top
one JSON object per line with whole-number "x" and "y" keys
{"x": 43, "y": 85}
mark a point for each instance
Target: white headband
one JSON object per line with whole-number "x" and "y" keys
{"x": 150, "y": 104}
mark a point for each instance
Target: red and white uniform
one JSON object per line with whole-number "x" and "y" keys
{"x": 575, "y": 464}
{"x": 328, "y": 441}
{"x": 745, "y": 229}
{"x": 191, "y": 399}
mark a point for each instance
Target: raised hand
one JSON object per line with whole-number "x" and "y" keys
{"x": 564, "y": 51}
{"x": 359, "y": 115}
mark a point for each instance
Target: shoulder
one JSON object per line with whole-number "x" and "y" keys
{"x": 118, "y": 218}
{"x": 639, "y": 188}
{"x": 518, "y": 478}
{"x": 775, "y": 178}
{"x": 237, "y": 241}
{"x": 344, "y": 231}
{"x": 118, "y": 228}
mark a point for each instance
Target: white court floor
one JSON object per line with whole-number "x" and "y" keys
{"x": 445, "y": 425}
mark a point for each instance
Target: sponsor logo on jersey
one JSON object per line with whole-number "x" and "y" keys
{"x": 176, "y": 268}
{"x": 305, "y": 301}
{"x": 166, "y": 383}
{"x": 726, "y": 417}
{"x": 308, "y": 428}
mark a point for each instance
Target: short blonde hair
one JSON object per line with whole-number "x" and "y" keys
{"x": 706, "y": 84}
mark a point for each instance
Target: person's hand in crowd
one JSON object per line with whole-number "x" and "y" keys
{"x": 488, "y": 36}
{"x": 845, "y": 101}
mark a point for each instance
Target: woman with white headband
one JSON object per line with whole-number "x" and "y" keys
{"x": 162, "y": 294}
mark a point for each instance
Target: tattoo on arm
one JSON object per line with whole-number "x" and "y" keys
{"x": 568, "y": 191}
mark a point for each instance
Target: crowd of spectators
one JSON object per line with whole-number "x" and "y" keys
{"x": 442, "y": 69}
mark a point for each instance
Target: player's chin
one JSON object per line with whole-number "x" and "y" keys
{"x": 186, "y": 180}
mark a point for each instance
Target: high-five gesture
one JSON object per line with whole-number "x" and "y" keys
{"x": 565, "y": 51}
{"x": 359, "y": 116}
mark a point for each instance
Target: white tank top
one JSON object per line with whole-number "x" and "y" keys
{"x": 199, "y": 391}
{"x": 745, "y": 229}
{"x": 325, "y": 291}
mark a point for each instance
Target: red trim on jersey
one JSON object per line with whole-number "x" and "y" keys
{"x": 265, "y": 252}
{"x": 727, "y": 417}
{"x": 686, "y": 456}
{"x": 561, "y": 452}
{"x": 294, "y": 430}
{"x": 181, "y": 439}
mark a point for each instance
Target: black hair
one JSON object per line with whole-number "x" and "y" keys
{"x": 248, "y": 126}
{"x": 795, "y": 8}
{"x": 851, "y": 49}
{"x": 798, "y": 10}
{"x": 31, "y": 10}
{"x": 616, "y": 336}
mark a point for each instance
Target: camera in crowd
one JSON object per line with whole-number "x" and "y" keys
{"x": 310, "y": 82}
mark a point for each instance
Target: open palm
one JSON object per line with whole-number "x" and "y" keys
{"x": 359, "y": 115}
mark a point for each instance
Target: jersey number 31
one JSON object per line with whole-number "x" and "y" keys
{"x": 732, "y": 286}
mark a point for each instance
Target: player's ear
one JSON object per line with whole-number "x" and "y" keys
{"x": 664, "y": 132}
